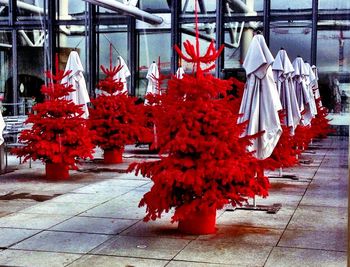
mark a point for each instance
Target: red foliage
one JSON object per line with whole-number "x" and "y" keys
{"x": 204, "y": 161}
{"x": 320, "y": 124}
{"x": 115, "y": 120}
{"x": 58, "y": 133}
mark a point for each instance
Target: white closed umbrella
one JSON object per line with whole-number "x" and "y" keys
{"x": 180, "y": 73}
{"x": 122, "y": 74}
{"x": 76, "y": 78}
{"x": 152, "y": 77}
{"x": 282, "y": 70}
{"x": 2, "y": 127}
{"x": 310, "y": 78}
{"x": 301, "y": 90}
{"x": 260, "y": 102}
{"x": 314, "y": 85}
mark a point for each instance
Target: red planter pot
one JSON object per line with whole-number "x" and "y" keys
{"x": 113, "y": 156}
{"x": 199, "y": 223}
{"x": 57, "y": 171}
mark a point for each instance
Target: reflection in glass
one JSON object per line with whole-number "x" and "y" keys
{"x": 294, "y": 37}
{"x": 151, "y": 5}
{"x": 333, "y": 62}
{"x": 152, "y": 47}
{"x": 204, "y": 6}
{"x": 30, "y": 9}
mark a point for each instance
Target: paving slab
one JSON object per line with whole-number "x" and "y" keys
{"x": 198, "y": 264}
{"x": 225, "y": 253}
{"x": 113, "y": 261}
{"x": 319, "y": 218}
{"x": 262, "y": 219}
{"x": 28, "y": 258}
{"x": 116, "y": 208}
{"x": 32, "y": 221}
{"x": 96, "y": 198}
{"x": 94, "y": 225}
{"x": 104, "y": 188}
{"x": 59, "y": 208}
{"x": 327, "y": 240}
{"x": 246, "y": 235}
{"x": 62, "y": 242}
{"x": 293, "y": 257}
{"x": 10, "y": 236}
{"x": 142, "y": 247}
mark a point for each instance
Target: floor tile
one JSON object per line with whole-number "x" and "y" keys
{"x": 96, "y": 198}
{"x": 10, "y": 236}
{"x": 295, "y": 257}
{"x": 62, "y": 242}
{"x": 32, "y": 221}
{"x": 25, "y": 258}
{"x": 144, "y": 247}
{"x": 327, "y": 240}
{"x": 94, "y": 225}
{"x": 225, "y": 253}
{"x": 113, "y": 261}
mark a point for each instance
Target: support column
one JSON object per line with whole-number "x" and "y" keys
{"x": 93, "y": 71}
{"x": 175, "y": 34}
{"x": 132, "y": 54}
{"x": 220, "y": 37}
{"x": 266, "y": 21}
{"x": 314, "y": 32}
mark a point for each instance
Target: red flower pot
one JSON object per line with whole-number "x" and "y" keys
{"x": 56, "y": 171}
{"x": 199, "y": 223}
{"x": 113, "y": 156}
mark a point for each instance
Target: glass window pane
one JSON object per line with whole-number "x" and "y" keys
{"x": 149, "y": 51}
{"x": 334, "y": 4}
{"x": 294, "y": 37}
{"x": 31, "y": 9}
{"x": 152, "y": 5}
{"x": 71, "y": 9}
{"x": 333, "y": 62}
{"x": 238, "y": 36}
{"x": 112, "y": 37}
{"x": 30, "y": 72}
{"x": 6, "y": 72}
{"x": 286, "y": 5}
{"x": 4, "y": 9}
{"x": 204, "y": 6}
{"x": 68, "y": 43}
{"x": 246, "y": 8}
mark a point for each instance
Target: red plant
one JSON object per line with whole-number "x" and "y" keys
{"x": 320, "y": 124}
{"x": 115, "y": 120}
{"x": 204, "y": 162}
{"x": 58, "y": 133}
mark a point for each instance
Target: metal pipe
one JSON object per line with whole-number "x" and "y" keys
{"x": 128, "y": 10}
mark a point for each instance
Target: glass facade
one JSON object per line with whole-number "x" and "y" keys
{"x": 317, "y": 30}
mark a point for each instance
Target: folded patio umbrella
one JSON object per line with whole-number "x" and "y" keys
{"x": 314, "y": 84}
{"x": 260, "y": 102}
{"x": 152, "y": 77}
{"x": 123, "y": 74}
{"x": 301, "y": 90}
{"x": 76, "y": 78}
{"x": 282, "y": 70}
{"x": 2, "y": 127}
{"x": 180, "y": 73}
{"x": 310, "y": 78}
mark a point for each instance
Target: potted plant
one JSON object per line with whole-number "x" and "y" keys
{"x": 204, "y": 164}
{"x": 115, "y": 119}
{"x": 58, "y": 135}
